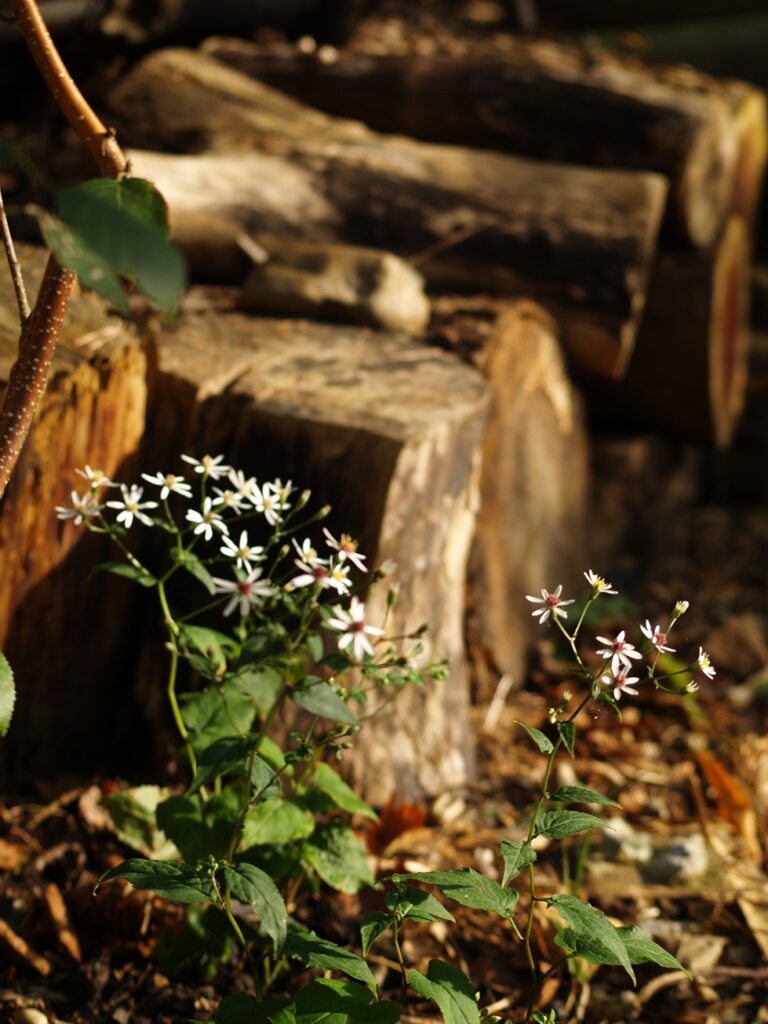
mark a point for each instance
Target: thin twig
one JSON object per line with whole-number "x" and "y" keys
{"x": 13, "y": 265}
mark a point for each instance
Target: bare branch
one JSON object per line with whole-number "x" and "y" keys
{"x": 13, "y": 265}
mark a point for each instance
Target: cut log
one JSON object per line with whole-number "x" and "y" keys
{"x": 67, "y": 718}
{"x": 541, "y": 99}
{"x": 388, "y": 432}
{"x": 632, "y": 13}
{"x": 578, "y": 240}
{"x": 689, "y": 370}
{"x": 343, "y": 283}
{"x": 531, "y": 523}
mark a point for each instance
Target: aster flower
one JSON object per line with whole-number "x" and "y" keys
{"x": 95, "y": 477}
{"x": 209, "y": 466}
{"x": 621, "y": 683}
{"x": 620, "y": 651}
{"x": 132, "y": 507}
{"x": 169, "y": 482}
{"x": 84, "y": 506}
{"x": 307, "y": 552}
{"x": 551, "y": 603}
{"x": 354, "y": 629}
{"x": 680, "y": 609}
{"x": 267, "y": 500}
{"x": 347, "y": 549}
{"x": 656, "y": 636}
{"x": 598, "y": 584}
{"x": 241, "y": 483}
{"x": 226, "y": 498}
{"x": 704, "y": 664}
{"x": 282, "y": 490}
{"x": 692, "y": 687}
{"x": 207, "y": 520}
{"x": 327, "y": 577}
{"x": 247, "y": 593}
{"x": 243, "y": 552}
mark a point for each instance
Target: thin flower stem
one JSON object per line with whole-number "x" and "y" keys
{"x": 14, "y": 266}
{"x": 400, "y": 959}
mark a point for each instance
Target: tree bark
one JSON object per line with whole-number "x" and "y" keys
{"x": 689, "y": 370}
{"x": 579, "y": 240}
{"x": 531, "y": 523}
{"x": 387, "y": 431}
{"x": 546, "y": 100}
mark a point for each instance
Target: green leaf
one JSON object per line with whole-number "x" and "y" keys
{"x": 374, "y": 925}
{"x": 581, "y": 795}
{"x": 276, "y": 821}
{"x": 73, "y": 252}
{"x": 315, "y": 646}
{"x": 130, "y": 572}
{"x": 327, "y": 1001}
{"x": 567, "y": 733}
{"x": 321, "y": 699}
{"x": 133, "y": 813}
{"x": 262, "y": 684}
{"x": 337, "y": 855}
{"x": 517, "y": 856}
{"x": 220, "y": 758}
{"x": 559, "y": 824}
{"x": 244, "y": 1010}
{"x": 188, "y": 560}
{"x": 412, "y": 904}
{"x": 216, "y": 712}
{"x": 172, "y": 881}
{"x": 450, "y": 989}
{"x": 253, "y": 886}
{"x": 215, "y": 646}
{"x": 120, "y": 221}
{"x": 544, "y": 744}
{"x": 470, "y": 889}
{"x": 640, "y": 948}
{"x": 589, "y": 924}
{"x": 331, "y": 783}
{"x": 7, "y": 695}
{"x": 313, "y": 951}
{"x": 200, "y": 832}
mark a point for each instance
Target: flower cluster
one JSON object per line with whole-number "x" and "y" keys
{"x": 236, "y": 497}
{"x": 618, "y": 651}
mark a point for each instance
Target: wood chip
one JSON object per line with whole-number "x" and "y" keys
{"x": 57, "y": 908}
{"x": 22, "y": 948}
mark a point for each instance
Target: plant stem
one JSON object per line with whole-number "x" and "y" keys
{"x": 173, "y": 632}
{"x": 13, "y": 265}
{"x": 400, "y": 960}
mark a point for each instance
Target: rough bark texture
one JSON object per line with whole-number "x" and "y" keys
{"x": 689, "y": 371}
{"x": 69, "y": 714}
{"x": 580, "y": 240}
{"x": 531, "y": 523}
{"x": 542, "y": 99}
{"x": 386, "y": 430}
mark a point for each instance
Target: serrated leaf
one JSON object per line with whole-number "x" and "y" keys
{"x": 254, "y": 887}
{"x": 244, "y": 1010}
{"x": 470, "y": 889}
{"x": 449, "y": 989}
{"x": 224, "y": 756}
{"x": 567, "y": 733}
{"x": 516, "y": 857}
{"x": 120, "y": 223}
{"x": 172, "y": 881}
{"x": 276, "y": 821}
{"x": 581, "y": 795}
{"x": 7, "y": 695}
{"x": 197, "y": 831}
{"x": 414, "y": 904}
{"x": 337, "y": 855}
{"x": 331, "y": 783}
{"x": 189, "y": 561}
{"x": 559, "y": 824}
{"x": 215, "y": 713}
{"x": 313, "y": 951}
{"x": 640, "y": 948}
{"x": 374, "y": 925}
{"x": 589, "y": 924}
{"x": 262, "y": 684}
{"x": 321, "y": 699}
{"x": 214, "y": 645}
{"x": 130, "y": 572}
{"x": 328, "y": 1001}
{"x": 544, "y": 744}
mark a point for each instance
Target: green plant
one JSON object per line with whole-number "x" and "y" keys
{"x": 258, "y": 820}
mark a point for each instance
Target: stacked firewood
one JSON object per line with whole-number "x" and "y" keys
{"x": 509, "y": 240}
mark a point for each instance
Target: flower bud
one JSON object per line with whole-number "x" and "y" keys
{"x": 680, "y": 609}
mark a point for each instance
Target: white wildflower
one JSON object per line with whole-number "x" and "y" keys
{"x": 347, "y": 548}
{"x": 267, "y": 500}
{"x": 209, "y": 466}
{"x": 354, "y": 629}
{"x": 243, "y": 552}
{"x": 169, "y": 483}
{"x": 132, "y": 507}
{"x": 620, "y": 651}
{"x": 84, "y": 506}
{"x": 621, "y": 683}
{"x": 307, "y": 552}
{"x": 692, "y": 687}
{"x": 226, "y": 498}
{"x": 704, "y": 663}
{"x": 95, "y": 477}
{"x": 327, "y": 577}
{"x": 598, "y": 584}
{"x": 680, "y": 609}
{"x": 551, "y": 603}
{"x": 247, "y": 593}
{"x": 242, "y": 484}
{"x": 207, "y": 520}
{"x": 656, "y": 636}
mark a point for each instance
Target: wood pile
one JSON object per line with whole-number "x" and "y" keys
{"x": 420, "y": 312}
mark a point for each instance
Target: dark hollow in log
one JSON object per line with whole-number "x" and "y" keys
{"x": 531, "y": 523}
{"x": 74, "y": 703}
{"x": 546, "y": 100}
{"x": 579, "y": 240}
{"x": 689, "y": 370}
{"x": 386, "y": 430}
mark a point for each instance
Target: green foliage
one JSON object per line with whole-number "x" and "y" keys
{"x": 559, "y": 824}
{"x": 544, "y": 744}
{"x": 517, "y": 856}
{"x": 639, "y": 948}
{"x": 321, "y": 699}
{"x": 7, "y": 695}
{"x": 580, "y": 795}
{"x": 337, "y": 855}
{"x": 591, "y": 929}
{"x": 327, "y": 781}
{"x": 470, "y": 889}
{"x": 303, "y": 945}
{"x": 180, "y": 882}
{"x": 450, "y": 989}
{"x": 251, "y": 885}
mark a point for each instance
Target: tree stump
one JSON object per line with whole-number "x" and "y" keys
{"x": 578, "y": 239}
{"x": 386, "y": 430}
